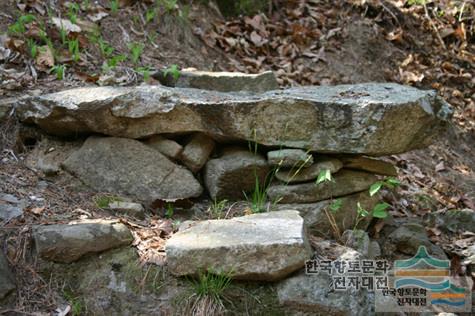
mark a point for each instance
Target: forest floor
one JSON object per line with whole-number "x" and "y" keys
{"x": 427, "y": 45}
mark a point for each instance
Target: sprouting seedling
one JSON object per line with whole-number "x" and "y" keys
{"x": 32, "y": 47}
{"x": 73, "y": 12}
{"x": 323, "y": 176}
{"x": 150, "y": 15}
{"x": 18, "y": 28}
{"x": 59, "y": 71}
{"x": 336, "y": 205}
{"x": 169, "y": 210}
{"x": 73, "y": 47}
{"x": 173, "y": 71}
{"x": 377, "y": 186}
{"x": 145, "y": 72}
{"x": 114, "y": 5}
{"x": 63, "y": 35}
{"x": 106, "y": 49}
{"x": 136, "y": 50}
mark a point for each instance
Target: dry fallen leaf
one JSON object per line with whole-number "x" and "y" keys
{"x": 45, "y": 58}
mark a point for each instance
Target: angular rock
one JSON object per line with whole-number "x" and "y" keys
{"x": 369, "y": 165}
{"x": 69, "y": 242}
{"x": 128, "y": 167}
{"x": 345, "y": 182}
{"x": 296, "y": 175}
{"x": 221, "y": 81}
{"x": 167, "y": 147}
{"x": 314, "y": 293}
{"x": 7, "y": 281}
{"x": 235, "y": 171}
{"x": 374, "y": 250}
{"x": 265, "y": 246}
{"x": 408, "y": 238}
{"x": 10, "y": 207}
{"x": 128, "y": 208}
{"x": 371, "y": 118}
{"x": 292, "y": 158}
{"x": 317, "y": 221}
{"x": 453, "y": 220}
{"x": 197, "y": 152}
{"x": 357, "y": 239}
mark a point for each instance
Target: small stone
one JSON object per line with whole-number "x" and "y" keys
{"x": 235, "y": 172}
{"x": 7, "y": 280}
{"x": 128, "y": 208}
{"x": 264, "y": 246}
{"x": 357, "y": 239}
{"x": 8, "y": 212}
{"x": 344, "y": 182}
{"x": 374, "y": 250}
{"x": 69, "y": 242}
{"x": 167, "y": 147}
{"x": 197, "y": 151}
{"x": 293, "y": 158}
{"x": 370, "y": 165}
{"x": 296, "y": 175}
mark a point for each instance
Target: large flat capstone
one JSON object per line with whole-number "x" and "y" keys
{"x": 126, "y": 166}
{"x": 266, "y": 246}
{"x": 371, "y": 118}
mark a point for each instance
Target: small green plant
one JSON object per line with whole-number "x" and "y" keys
{"x": 63, "y": 35}
{"x": 336, "y": 205}
{"x": 18, "y": 28}
{"x": 115, "y": 60}
{"x": 168, "y": 5}
{"x": 32, "y": 48}
{"x": 73, "y": 12}
{"x": 114, "y": 6}
{"x": 145, "y": 72}
{"x": 103, "y": 201}
{"x": 104, "y": 47}
{"x": 73, "y": 47}
{"x": 390, "y": 183}
{"x": 208, "y": 293}
{"x": 217, "y": 208}
{"x": 258, "y": 197}
{"x": 85, "y": 4}
{"x": 323, "y": 176}
{"x": 75, "y": 303}
{"x": 150, "y": 15}
{"x": 184, "y": 13}
{"x": 59, "y": 71}
{"x": 169, "y": 211}
{"x": 136, "y": 50}
{"x": 174, "y": 71}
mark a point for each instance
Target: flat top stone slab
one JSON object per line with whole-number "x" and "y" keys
{"x": 266, "y": 246}
{"x": 371, "y": 118}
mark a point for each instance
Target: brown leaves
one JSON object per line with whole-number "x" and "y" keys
{"x": 45, "y": 58}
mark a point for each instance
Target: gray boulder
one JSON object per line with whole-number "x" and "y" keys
{"x": 197, "y": 151}
{"x": 10, "y": 207}
{"x": 314, "y": 293}
{"x": 221, "y": 81}
{"x": 406, "y": 241}
{"x": 371, "y": 118}
{"x": 7, "y": 281}
{"x": 235, "y": 171}
{"x": 128, "y": 208}
{"x": 69, "y": 242}
{"x": 345, "y": 182}
{"x": 128, "y": 167}
{"x": 296, "y": 175}
{"x": 265, "y": 246}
